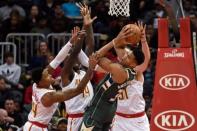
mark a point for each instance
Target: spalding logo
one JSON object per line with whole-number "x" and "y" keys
{"x": 174, "y": 120}
{"x": 174, "y": 82}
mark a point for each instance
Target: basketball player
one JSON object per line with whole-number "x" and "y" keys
{"x": 101, "y": 110}
{"x": 130, "y": 114}
{"x": 44, "y": 98}
{"x": 71, "y": 78}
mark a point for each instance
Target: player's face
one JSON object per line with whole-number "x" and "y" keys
{"x": 47, "y": 78}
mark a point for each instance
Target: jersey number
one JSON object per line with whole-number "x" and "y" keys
{"x": 123, "y": 95}
{"x": 34, "y": 108}
{"x": 86, "y": 90}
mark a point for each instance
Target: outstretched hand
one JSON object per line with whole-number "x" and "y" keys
{"x": 76, "y": 34}
{"x": 86, "y": 14}
{"x": 142, "y": 29}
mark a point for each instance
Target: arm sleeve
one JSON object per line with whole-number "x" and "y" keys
{"x": 83, "y": 59}
{"x": 61, "y": 55}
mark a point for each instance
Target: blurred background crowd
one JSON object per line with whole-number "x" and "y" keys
{"x": 60, "y": 16}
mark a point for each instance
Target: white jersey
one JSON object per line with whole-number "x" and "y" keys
{"x": 131, "y": 100}
{"x": 78, "y": 103}
{"x": 39, "y": 112}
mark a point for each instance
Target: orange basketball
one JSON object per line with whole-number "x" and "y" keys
{"x": 136, "y": 34}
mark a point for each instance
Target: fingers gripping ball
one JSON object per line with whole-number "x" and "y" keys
{"x": 135, "y": 36}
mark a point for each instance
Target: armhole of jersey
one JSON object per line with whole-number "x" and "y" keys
{"x": 42, "y": 97}
{"x": 129, "y": 73}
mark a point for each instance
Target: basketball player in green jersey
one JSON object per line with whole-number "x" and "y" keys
{"x": 102, "y": 108}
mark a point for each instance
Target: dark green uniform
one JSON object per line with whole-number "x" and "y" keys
{"x": 101, "y": 110}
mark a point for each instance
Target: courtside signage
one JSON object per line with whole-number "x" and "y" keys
{"x": 174, "y": 54}
{"x": 174, "y": 120}
{"x": 174, "y": 81}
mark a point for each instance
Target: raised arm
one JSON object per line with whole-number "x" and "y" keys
{"x": 63, "y": 52}
{"x": 52, "y": 97}
{"x": 87, "y": 25}
{"x": 145, "y": 49}
{"x": 72, "y": 57}
{"x": 89, "y": 40}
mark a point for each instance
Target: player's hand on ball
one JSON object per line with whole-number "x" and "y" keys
{"x": 120, "y": 40}
{"x": 142, "y": 28}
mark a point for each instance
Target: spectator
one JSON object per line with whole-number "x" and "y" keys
{"x": 9, "y": 106}
{"x": 40, "y": 59}
{"x": 4, "y": 92}
{"x": 58, "y": 21}
{"x": 14, "y": 24}
{"x": 6, "y": 10}
{"x": 10, "y": 70}
{"x": 42, "y": 26}
{"x": 34, "y": 15}
{"x": 71, "y": 10}
{"x": 27, "y": 95}
{"x": 4, "y": 118}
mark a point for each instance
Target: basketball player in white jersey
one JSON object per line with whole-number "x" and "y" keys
{"x": 44, "y": 98}
{"x": 130, "y": 114}
{"x": 75, "y": 107}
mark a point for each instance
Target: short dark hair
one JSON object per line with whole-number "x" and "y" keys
{"x": 8, "y": 54}
{"x": 139, "y": 55}
{"x": 37, "y": 74}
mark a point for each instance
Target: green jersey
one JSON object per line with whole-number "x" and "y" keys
{"x": 103, "y": 106}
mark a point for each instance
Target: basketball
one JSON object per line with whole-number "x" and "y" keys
{"x": 136, "y": 34}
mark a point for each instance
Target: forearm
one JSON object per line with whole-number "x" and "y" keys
{"x": 105, "y": 49}
{"x": 59, "y": 96}
{"x": 89, "y": 40}
{"x": 70, "y": 93}
{"x": 146, "y": 51}
{"x": 71, "y": 59}
{"x": 8, "y": 81}
{"x": 61, "y": 56}
{"x": 104, "y": 64}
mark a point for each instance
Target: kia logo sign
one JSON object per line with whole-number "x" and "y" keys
{"x": 174, "y": 82}
{"x": 174, "y": 120}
